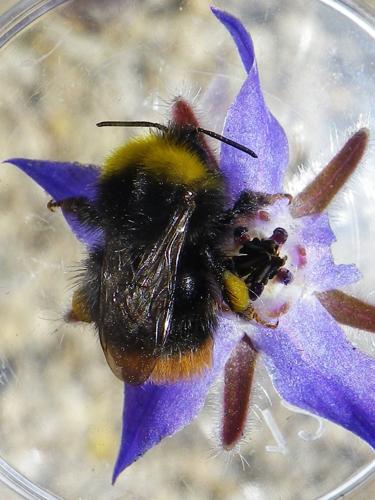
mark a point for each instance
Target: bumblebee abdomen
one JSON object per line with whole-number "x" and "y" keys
{"x": 188, "y": 349}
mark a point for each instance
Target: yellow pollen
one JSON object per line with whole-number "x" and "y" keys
{"x": 236, "y": 291}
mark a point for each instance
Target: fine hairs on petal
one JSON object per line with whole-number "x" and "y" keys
{"x": 238, "y": 381}
{"x": 253, "y": 424}
{"x": 318, "y": 194}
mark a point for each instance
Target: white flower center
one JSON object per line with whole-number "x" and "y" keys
{"x": 280, "y": 262}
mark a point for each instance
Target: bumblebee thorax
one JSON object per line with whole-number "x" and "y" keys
{"x": 167, "y": 158}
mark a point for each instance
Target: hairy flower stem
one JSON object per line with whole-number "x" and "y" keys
{"x": 238, "y": 378}
{"x": 348, "y": 310}
{"x": 320, "y": 192}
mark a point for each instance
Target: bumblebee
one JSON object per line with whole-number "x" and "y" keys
{"x": 162, "y": 272}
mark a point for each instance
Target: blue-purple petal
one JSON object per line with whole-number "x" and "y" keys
{"x": 321, "y": 272}
{"x": 152, "y": 412}
{"x": 316, "y": 230}
{"x": 60, "y": 179}
{"x": 64, "y": 180}
{"x": 251, "y": 124}
{"x": 314, "y": 367}
{"x": 240, "y": 36}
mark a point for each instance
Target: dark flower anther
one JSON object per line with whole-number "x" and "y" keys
{"x": 284, "y": 276}
{"x": 279, "y": 235}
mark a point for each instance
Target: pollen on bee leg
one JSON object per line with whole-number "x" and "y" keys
{"x": 238, "y": 378}
{"x": 78, "y": 311}
{"x": 236, "y": 291}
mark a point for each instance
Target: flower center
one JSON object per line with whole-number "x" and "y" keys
{"x": 269, "y": 259}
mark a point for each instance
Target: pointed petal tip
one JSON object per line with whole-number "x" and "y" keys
{"x": 222, "y": 15}
{"x": 250, "y": 123}
{"x": 120, "y": 467}
{"x": 153, "y": 412}
{"x": 218, "y": 12}
{"x": 240, "y": 36}
{"x": 115, "y": 475}
{"x": 13, "y": 161}
{"x": 18, "y": 159}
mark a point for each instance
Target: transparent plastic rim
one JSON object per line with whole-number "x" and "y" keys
{"x": 22, "y": 15}
{"x": 12, "y": 22}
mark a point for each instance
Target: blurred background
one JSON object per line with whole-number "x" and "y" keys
{"x": 65, "y": 68}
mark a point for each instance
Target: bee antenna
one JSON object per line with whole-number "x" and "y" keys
{"x": 164, "y": 128}
{"x": 227, "y": 141}
{"x": 132, "y": 124}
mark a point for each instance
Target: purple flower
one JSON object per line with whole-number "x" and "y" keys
{"x": 312, "y": 364}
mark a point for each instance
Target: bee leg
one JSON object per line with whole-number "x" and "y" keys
{"x": 223, "y": 307}
{"x": 52, "y": 205}
{"x": 71, "y": 205}
{"x": 249, "y": 202}
{"x": 252, "y": 315}
{"x": 80, "y": 207}
{"x": 280, "y": 196}
{"x": 79, "y": 310}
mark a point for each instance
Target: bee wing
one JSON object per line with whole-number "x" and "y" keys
{"x": 136, "y": 299}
